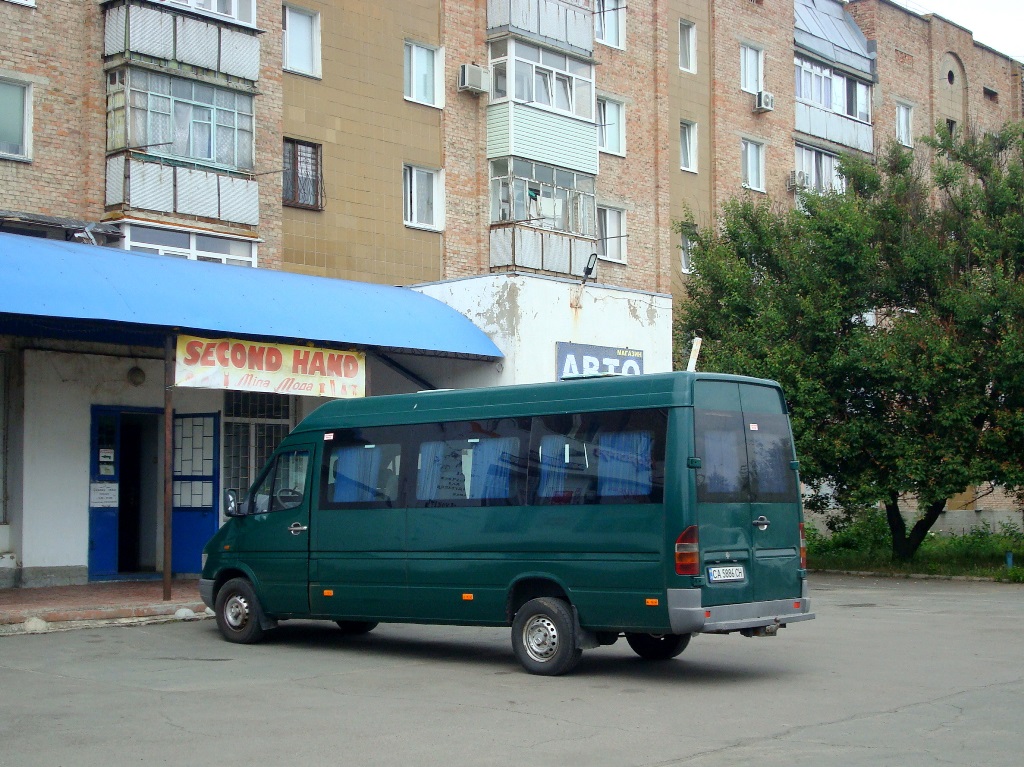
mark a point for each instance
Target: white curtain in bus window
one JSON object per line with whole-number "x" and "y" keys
{"x": 624, "y": 464}
{"x": 466, "y": 469}
{"x": 491, "y": 468}
{"x": 365, "y": 473}
{"x": 442, "y": 475}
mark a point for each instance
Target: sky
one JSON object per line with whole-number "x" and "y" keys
{"x": 998, "y": 24}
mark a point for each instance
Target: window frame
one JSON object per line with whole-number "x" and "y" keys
{"x": 192, "y": 252}
{"x": 521, "y": 61}
{"x": 745, "y": 163}
{"x": 604, "y": 123}
{"x": 293, "y": 171}
{"x": 688, "y": 29}
{"x": 689, "y": 127}
{"x": 26, "y": 121}
{"x": 812, "y": 161}
{"x": 411, "y": 73}
{"x": 613, "y": 35}
{"x": 410, "y": 197}
{"x": 685, "y": 253}
{"x": 235, "y": 15}
{"x": 288, "y": 10}
{"x": 744, "y": 67}
{"x": 604, "y": 237}
{"x": 515, "y": 193}
{"x": 905, "y": 134}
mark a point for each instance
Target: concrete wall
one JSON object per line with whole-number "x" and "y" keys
{"x": 50, "y": 516}
{"x": 526, "y": 315}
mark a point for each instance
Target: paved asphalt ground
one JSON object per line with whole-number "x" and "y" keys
{"x": 892, "y": 672}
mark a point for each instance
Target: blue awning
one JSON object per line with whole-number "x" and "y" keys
{"x": 42, "y": 279}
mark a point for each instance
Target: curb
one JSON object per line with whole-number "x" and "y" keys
{"x": 911, "y": 576}
{"x": 46, "y": 621}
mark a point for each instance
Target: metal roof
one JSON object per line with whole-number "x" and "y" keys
{"x": 825, "y": 28}
{"x": 68, "y": 281}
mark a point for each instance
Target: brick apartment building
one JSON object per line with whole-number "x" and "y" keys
{"x": 519, "y": 163}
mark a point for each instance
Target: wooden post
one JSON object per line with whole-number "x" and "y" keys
{"x": 168, "y": 458}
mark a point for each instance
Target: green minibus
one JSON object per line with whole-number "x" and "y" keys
{"x": 655, "y": 507}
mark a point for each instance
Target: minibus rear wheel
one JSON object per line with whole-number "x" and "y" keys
{"x": 544, "y": 637}
{"x": 238, "y": 612}
{"x": 658, "y": 646}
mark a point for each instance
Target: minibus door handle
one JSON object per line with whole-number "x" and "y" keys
{"x": 297, "y": 527}
{"x": 761, "y": 523}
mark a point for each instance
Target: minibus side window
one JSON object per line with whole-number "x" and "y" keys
{"x": 362, "y": 467}
{"x": 611, "y": 457}
{"x": 284, "y": 487}
{"x": 471, "y": 463}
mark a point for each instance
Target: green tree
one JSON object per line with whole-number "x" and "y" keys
{"x": 892, "y": 314}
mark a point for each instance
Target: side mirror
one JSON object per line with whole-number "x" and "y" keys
{"x": 231, "y": 508}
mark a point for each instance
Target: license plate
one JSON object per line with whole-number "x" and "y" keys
{"x": 731, "y": 573}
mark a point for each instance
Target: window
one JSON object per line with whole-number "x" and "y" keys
{"x": 542, "y": 195}
{"x": 195, "y": 246}
{"x": 283, "y": 487}
{"x": 422, "y": 72}
{"x": 254, "y": 425}
{"x": 858, "y": 100}
{"x": 818, "y": 171}
{"x": 614, "y": 457}
{"x": 422, "y": 194}
{"x": 611, "y": 234}
{"x": 687, "y": 46}
{"x": 471, "y": 463}
{"x": 301, "y": 44}
{"x": 685, "y": 253}
{"x": 752, "y": 159}
{"x": 905, "y": 124}
{"x": 362, "y": 466}
{"x": 542, "y": 77}
{"x": 15, "y": 119}
{"x": 813, "y": 82}
{"x": 688, "y": 146}
{"x": 751, "y": 59}
{"x": 243, "y": 11}
{"x": 610, "y": 22}
{"x": 176, "y": 117}
{"x": 303, "y": 176}
{"x": 611, "y": 126}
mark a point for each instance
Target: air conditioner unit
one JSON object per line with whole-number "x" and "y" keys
{"x": 474, "y": 79}
{"x": 764, "y": 101}
{"x": 797, "y": 180}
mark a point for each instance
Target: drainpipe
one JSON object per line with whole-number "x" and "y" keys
{"x": 168, "y": 458}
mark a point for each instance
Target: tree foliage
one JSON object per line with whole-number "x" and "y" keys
{"x": 893, "y": 315}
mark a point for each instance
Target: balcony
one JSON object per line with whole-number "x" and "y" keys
{"x": 521, "y": 246}
{"x": 565, "y": 24}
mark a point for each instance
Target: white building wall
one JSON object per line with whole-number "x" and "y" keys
{"x": 59, "y": 390}
{"x": 526, "y": 315}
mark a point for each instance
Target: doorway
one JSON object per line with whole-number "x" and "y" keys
{"x": 125, "y": 492}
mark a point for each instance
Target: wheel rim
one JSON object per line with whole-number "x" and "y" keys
{"x": 540, "y": 638}
{"x": 236, "y": 612}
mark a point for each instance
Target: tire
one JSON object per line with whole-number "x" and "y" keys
{"x": 238, "y": 612}
{"x": 544, "y": 637}
{"x": 355, "y": 628}
{"x": 658, "y": 646}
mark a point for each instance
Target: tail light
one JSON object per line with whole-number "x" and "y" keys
{"x": 687, "y": 554}
{"x": 803, "y": 548}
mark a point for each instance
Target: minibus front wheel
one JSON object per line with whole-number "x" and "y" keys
{"x": 238, "y": 612}
{"x": 658, "y": 646}
{"x": 544, "y": 637}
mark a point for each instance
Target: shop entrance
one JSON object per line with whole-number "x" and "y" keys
{"x": 125, "y": 491}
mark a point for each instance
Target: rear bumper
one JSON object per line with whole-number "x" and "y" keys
{"x": 688, "y": 616}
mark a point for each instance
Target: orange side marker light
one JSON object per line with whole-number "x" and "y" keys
{"x": 652, "y": 602}
{"x": 328, "y": 592}
{"x": 467, "y": 597}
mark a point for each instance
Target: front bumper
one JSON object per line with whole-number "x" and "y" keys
{"x": 688, "y": 616}
{"x": 206, "y": 591}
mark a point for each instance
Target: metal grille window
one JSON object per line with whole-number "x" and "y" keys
{"x": 303, "y": 178}
{"x": 254, "y": 424}
{"x": 542, "y": 195}
{"x": 176, "y": 117}
{"x": 194, "y": 246}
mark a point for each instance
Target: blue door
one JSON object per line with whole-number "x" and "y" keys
{"x": 196, "y": 478}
